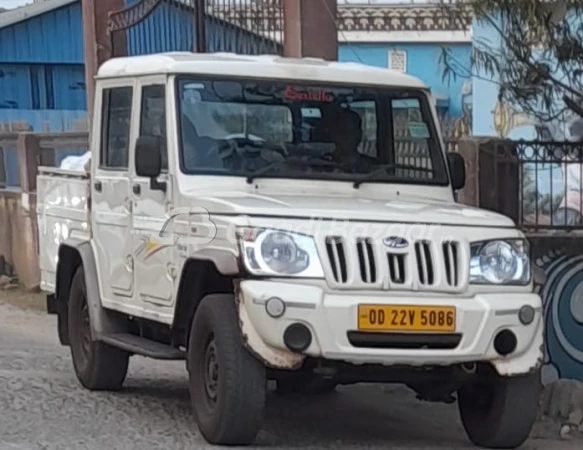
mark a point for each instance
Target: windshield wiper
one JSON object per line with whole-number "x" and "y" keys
{"x": 292, "y": 161}
{"x": 382, "y": 169}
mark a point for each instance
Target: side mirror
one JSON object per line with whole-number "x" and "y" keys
{"x": 457, "y": 170}
{"x": 149, "y": 160}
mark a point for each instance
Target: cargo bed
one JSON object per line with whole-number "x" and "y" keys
{"x": 62, "y": 212}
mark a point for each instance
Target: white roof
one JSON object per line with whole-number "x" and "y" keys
{"x": 264, "y": 66}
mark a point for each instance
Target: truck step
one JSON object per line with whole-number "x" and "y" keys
{"x": 142, "y": 346}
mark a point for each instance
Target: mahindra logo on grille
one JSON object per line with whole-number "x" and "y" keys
{"x": 395, "y": 242}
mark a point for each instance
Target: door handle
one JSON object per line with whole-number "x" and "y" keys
{"x": 137, "y": 189}
{"x": 98, "y": 186}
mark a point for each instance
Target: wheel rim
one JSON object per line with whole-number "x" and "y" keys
{"x": 85, "y": 331}
{"x": 82, "y": 335}
{"x": 211, "y": 371}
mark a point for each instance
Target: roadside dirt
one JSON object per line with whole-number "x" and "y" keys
{"x": 23, "y": 318}
{"x": 23, "y": 299}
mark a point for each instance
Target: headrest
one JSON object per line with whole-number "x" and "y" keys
{"x": 349, "y": 125}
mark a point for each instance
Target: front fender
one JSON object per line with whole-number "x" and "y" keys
{"x": 225, "y": 260}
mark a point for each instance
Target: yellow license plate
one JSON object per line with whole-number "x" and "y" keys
{"x": 379, "y": 318}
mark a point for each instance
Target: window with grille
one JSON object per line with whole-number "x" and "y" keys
{"x": 398, "y": 61}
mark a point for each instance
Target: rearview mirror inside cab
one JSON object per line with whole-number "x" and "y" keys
{"x": 149, "y": 160}
{"x": 457, "y": 170}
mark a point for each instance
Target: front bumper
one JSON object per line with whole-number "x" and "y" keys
{"x": 330, "y": 316}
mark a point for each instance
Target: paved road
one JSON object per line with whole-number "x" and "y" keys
{"x": 42, "y": 407}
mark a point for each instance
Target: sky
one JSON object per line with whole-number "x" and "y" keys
{"x": 8, "y": 4}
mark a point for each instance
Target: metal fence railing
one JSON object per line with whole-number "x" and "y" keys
{"x": 551, "y": 185}
{"x": 51, "y": 148}
{"x": 239, "y": 26}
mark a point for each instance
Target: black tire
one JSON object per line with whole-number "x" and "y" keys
{"x": 98, "y": 366}
{"x": 302, "y": 385}
{"x": 499, "y": 412}
{"x": 227, "y": 384}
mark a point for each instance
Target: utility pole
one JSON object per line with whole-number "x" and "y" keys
{"x": 200, "y": 26}
{"x": 310, "y": 29}
{"x": 96, "y": 41}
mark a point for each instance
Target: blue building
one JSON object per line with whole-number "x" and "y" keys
{"x": 411, "y": 38}
{"x": 42, "y": 78}
{"x": 42, "y": 73}
{"x": 42, "y": 81}
{"x": 42, "y": 68}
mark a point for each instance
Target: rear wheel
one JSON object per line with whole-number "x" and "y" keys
{"x": 499, "y": 412}
{"x": 98, "y": 366}
{"x": 227, "y": 384}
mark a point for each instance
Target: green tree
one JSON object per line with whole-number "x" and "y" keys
{"x": 539, "y": 62}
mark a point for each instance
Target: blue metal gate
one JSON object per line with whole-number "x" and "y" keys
{"x": 239, "y": 26}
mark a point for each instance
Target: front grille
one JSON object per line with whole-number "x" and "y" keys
{"x": 451, "y": 254}
{"x": 366, "y": 263}
{"x": 337, "y": 258}
{"x": 397, "y": 267}
{"x": 366, "y": 260}
{"x": 425, "y": 266}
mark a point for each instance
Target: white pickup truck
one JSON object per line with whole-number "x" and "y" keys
{"x": 291, "y": 220}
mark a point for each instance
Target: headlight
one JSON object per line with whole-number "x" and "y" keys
{"x": 279, "y": 253}
{"x": 500, "y": 262}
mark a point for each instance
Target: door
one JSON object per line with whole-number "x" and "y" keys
{"x": 153, "y": 256}
{"x": 110, "y": 193}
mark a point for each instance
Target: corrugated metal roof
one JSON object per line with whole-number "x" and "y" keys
{"x": 26, "y": 12}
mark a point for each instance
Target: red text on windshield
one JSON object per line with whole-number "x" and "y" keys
{"x": 309, "y": 96}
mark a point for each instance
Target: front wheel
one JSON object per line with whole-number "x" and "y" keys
{"x": 227, "y": 383}
{"x": 499, "y": 412}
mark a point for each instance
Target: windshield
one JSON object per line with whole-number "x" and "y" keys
{"x": 299, "y": 130}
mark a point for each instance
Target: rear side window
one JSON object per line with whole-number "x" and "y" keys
{"x": 153, "y": 116}
{"x": 117, "y": 114}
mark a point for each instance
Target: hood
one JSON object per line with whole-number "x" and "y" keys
{"x": 396, "y": 210}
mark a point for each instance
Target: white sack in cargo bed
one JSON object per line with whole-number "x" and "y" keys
{"x": 76, "y": 163}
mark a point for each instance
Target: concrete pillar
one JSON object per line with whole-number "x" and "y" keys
{"x": 96, "y": 40}
{"x": 310, "y": 29}
{"x": 23, "y": 223}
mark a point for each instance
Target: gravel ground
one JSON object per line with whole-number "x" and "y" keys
{"x": 42, "y": 406}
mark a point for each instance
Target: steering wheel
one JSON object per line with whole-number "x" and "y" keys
{"x": 245, "y": 148}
